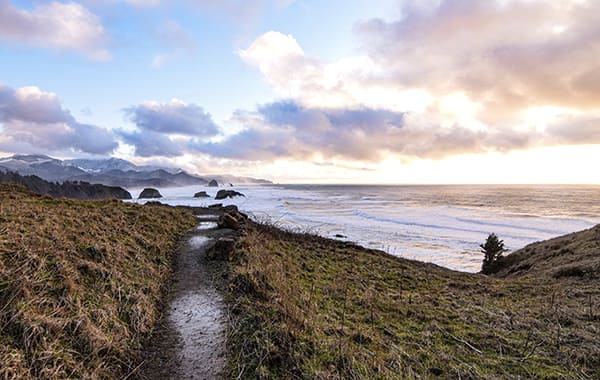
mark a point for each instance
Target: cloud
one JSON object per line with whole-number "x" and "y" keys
{"x": 174, "y": 117}
{"x": 33, "y": 119}
{"x": 466, "y": 76}
{"x": 354, "y": 81}
{"x": 150, "y": 144}
{"x": 509, "y": 55}
{"x": 289, "y": 130}
{"x": 164, "y": 128}
{"x": 55, "y": 25}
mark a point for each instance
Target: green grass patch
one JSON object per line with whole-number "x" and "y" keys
{"x": 308, "y": 307}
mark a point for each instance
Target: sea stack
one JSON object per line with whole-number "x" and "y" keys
{"x": 149, "y": 193}
{"x": 222, "y": 194}
{"x": 213, "y": 183}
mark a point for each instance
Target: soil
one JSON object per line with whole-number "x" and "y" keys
{"x": 190, "y": 340}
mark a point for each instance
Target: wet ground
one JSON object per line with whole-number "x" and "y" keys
{"x": 190, "y": 340}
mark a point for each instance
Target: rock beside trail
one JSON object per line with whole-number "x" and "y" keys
{"x": 221, "y": 250}
{"x": 201, "y": 194}
{"x": 213, "y": 183}
{"x": 222, "y": 194}
{"x": 228, "y": 221}
{"x": 232, "y": 218}
{"x": 149, "y": 193}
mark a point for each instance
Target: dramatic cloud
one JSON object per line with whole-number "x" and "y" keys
{"x": 508, "y": 55}
{"x": 287, "y": 129}
{"x": 61, "y": 26}
{"x": 292, "y": 131}
{"x": 174, "y": 117}
{"x": 294, "y": 75}
{"x": 149, "y": 144}
{"x": 32, "y": 119}
{"x": 467, "y": 76}
{"x": 163, "y": 128}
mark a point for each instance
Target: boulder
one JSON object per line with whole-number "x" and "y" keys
{"x": 232, "y": 218}
{"x": 221, "y": 250}
{"x": 230, "y": 209}
{"x": 201, "y": 194}
{"x": 213, "y": 183}
{"x": 222, "y": 194}
{"x": 228, "y": 221}
{"x": 149, "y": 193}
{"x": 235, "y": 212}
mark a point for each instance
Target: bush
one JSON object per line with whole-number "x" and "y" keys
{"x": 492, "y": 251}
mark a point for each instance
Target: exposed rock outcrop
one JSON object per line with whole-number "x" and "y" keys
{"x": 222, "y": 194}
{"x": 149, "y": 192}
{"x": 213, "y": 183}
{"x": 201, "y": 194}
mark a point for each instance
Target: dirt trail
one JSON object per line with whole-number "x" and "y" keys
{"x": 190, "y": 341}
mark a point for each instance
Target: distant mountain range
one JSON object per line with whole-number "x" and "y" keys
{"x": 110, "y": 172}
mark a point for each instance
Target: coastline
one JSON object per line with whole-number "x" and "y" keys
{"x": 298, "y": 305}
{"x": 304, "y": 306}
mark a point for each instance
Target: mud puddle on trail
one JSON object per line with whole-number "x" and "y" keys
{"x": 190, "y": 340}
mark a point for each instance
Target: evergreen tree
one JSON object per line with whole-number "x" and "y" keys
{"x": 492, "y": 250}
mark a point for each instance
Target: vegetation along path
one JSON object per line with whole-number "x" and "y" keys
{"x": 190, "y": 341}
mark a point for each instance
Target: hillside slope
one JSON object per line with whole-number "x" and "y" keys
{"x": 309, "y": 307}
{"x": 80, "y": 283}
{"x": 574, "y": 256}
{"x": 77, "y": 190}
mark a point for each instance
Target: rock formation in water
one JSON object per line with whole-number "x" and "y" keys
{"x": 222, "y": 194}
{"x": 149, "y": 193}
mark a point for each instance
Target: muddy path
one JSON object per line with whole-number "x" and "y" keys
{"x": 190, "y": 340}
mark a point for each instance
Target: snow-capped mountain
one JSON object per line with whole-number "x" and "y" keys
{"x": 108, "y": 164}
{"x": 111, "y": 171}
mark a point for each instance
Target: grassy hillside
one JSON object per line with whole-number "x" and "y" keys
{"x": 76, "y": 190}
{"x": 308, "y": 307}
{"x": 573, "y": 257}
{"x": 80, "y": 282}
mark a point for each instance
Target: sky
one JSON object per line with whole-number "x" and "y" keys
{"x": 309, "y": 91}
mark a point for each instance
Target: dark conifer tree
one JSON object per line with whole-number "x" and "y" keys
{"x": 492, "y": 250}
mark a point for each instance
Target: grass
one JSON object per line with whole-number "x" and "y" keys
{"x": 302, "y": 306}
{"x": 80, "y": 283}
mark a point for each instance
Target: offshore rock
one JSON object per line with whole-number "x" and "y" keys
{"x": 149, "y": 193}
{"x": 222, "y": 194}
{"x": 201, "y": 194}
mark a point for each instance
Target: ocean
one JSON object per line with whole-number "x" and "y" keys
{"x": 442, "y": 224}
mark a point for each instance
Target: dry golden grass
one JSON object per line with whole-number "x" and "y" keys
{"x": 308, "y": 307}
{"x": 80, "y": 283}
